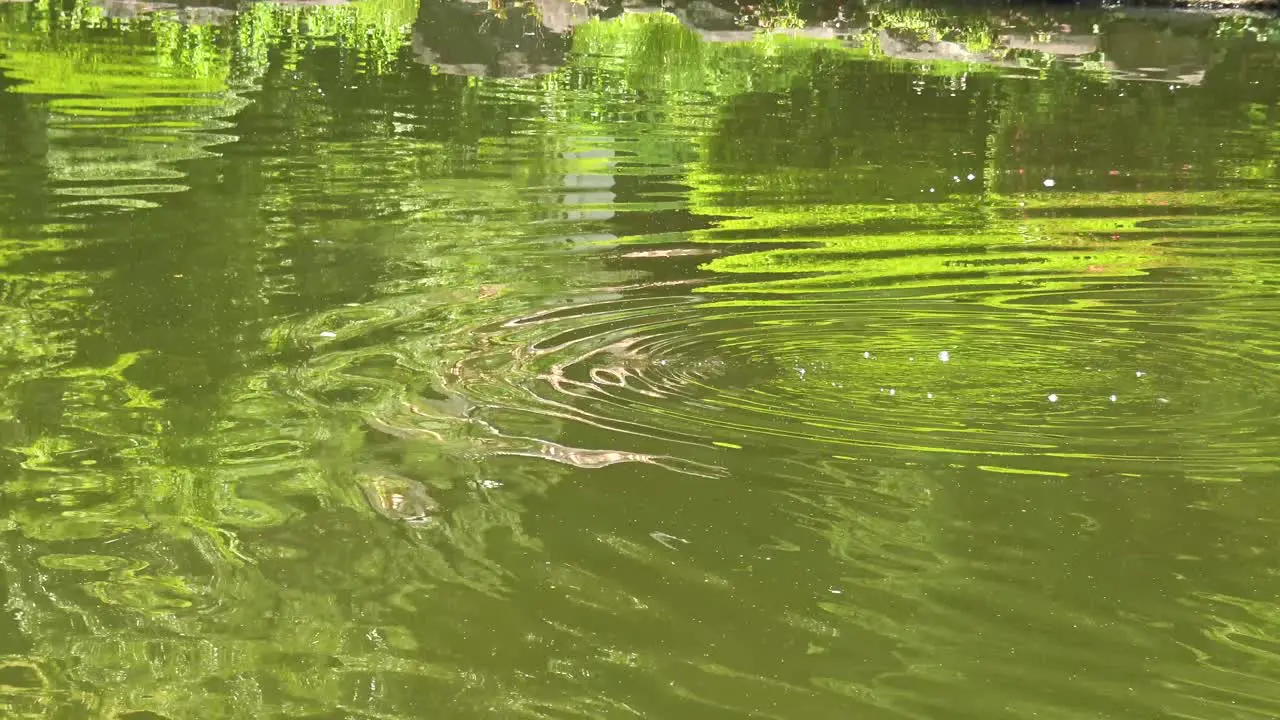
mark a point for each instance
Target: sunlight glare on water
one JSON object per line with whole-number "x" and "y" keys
{"x": 405, "y": 359}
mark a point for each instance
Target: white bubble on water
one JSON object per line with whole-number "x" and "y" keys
{"x": 1053, "y": 397}
{"x": 1112, "y": 398}
{"x": 944, "y": 356}
{"x": 1050, "y": 182}
{"x": 327, "y": 334}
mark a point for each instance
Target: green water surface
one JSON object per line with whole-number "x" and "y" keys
{"x": 437, "y": 359}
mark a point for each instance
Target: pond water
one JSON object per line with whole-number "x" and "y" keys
{"x": 429, "y": 359}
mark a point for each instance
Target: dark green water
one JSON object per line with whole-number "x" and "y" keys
{"x": 453, "y": 361}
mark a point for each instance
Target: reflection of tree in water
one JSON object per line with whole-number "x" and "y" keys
{"x": 187, "y": 415}
{"x": 167, "y": 496}
{"x": 484, "y": 40}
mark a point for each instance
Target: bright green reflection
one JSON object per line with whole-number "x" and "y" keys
{"x": 525, "y": 360}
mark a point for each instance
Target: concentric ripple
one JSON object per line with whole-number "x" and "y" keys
{"x": 1028, "y": 364}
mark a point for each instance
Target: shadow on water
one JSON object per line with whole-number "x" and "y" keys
{"x": 386, "y": 359}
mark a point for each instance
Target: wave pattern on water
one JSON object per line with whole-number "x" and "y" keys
{"x": 1098, "y": 343}
{"x": 632, "y": 392}
{"x": 119, "y": 117}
